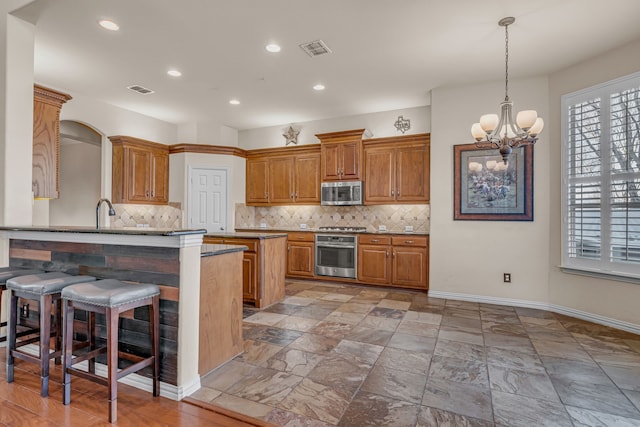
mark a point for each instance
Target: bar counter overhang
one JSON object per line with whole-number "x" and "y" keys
{"x": 169, "y": 258}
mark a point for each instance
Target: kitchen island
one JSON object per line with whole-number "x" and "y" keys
{"x": 169, "y": 258}
{"x": 264, "y": 264}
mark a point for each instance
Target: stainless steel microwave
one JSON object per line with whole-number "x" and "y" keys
{"x": 341, "y": 193}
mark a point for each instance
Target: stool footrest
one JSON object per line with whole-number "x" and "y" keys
{"x": 89, "y": 355}
{"x": 18, "y": 354}
{"x": 88, "y": 376}
{"x": 135, "y": 367}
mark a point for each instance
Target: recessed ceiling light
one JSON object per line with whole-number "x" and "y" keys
{"x": 318, "y": 87}
{"x": 108, "y": 24}
{"x": 174, "y": 73}
{"x": 234, "y": 102}
{"x": 272, "y": 47}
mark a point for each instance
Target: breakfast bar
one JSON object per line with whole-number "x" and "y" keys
{"x": 200, "y": 290}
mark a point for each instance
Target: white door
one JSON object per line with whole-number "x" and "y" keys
{"x": 208, "y": 194}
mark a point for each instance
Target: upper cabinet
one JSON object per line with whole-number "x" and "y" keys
{"x": 47, "y": 104}
{"x": 397, "y": 169}
{"x": 140, "y": 172}
{"x": 283, "y": 176}
{"x": 341, "y": 154}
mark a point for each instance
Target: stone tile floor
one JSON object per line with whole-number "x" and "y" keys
{"x": 359, "y": 356}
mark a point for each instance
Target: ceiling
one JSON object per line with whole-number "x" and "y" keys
{"x": 386, "y": 54}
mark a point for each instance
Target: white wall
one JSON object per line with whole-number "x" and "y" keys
{"x": 380, "y": 124}
{"x": 469, "y": 257}
{"x": 16, "y": 118}
{"x": 79, "y": 185}
{"x": 210, "y": 133}
{"x": 613, "y": 299}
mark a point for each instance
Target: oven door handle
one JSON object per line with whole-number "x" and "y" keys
{"x": 324, "y": 245}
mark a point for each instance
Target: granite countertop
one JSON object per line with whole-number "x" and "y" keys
{"x": 130, "y": 231}
{"x": 211, "y": 250}
{"x": 246, "y": 234}
{"x": 315, "y": 230}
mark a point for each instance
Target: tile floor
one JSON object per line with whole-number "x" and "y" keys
{"x": 359, "y": 356}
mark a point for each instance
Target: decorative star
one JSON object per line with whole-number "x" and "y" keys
{"x": 291, "y": 136}
{"x": 402, "y": 124}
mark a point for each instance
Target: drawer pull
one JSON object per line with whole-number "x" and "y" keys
{"x": 408, "y": 242}
{"x": 374, "y": 240}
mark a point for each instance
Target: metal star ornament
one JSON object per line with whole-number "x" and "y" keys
{"x": 291, "y": 136}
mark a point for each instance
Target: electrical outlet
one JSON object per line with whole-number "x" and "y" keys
{"x": 507, "y": 277}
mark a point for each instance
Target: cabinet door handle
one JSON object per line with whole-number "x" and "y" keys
{"x": 387, "y": 254}
{"x": 394, "y": 254}
{"x": 147, "y": 194}
{"x": 398, "y": 193}
{"x": 296, "y": 195}
{"x": 291, "y": 196}
{"x": 392, "y": 192}
{"x": 153, "y": 194}
{"x": 288, "y": 248}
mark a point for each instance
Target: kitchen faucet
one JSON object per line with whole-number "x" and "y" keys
{"x": 112, "y": 211}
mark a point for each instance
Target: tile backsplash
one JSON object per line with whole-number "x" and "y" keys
{"x": 155, "y": 216}
{"x": 394, "y": 217}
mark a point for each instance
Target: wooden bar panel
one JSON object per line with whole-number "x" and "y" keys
{"x": 159, "y": 265}
{"x": 220, "y": 310}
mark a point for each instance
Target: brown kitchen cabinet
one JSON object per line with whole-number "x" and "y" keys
{"x": 300, "y": 255}
{"x": 283, "y": 177}
{"x": 263, "y": 267}
{"x": 401, "y": 261}
{"x": 47, "y": 104}
{"x": 257, "y": 186}
{"x": 140, "y": 171}
{"x": 341, "y": 154}
{"x": 374, "y": 259}
{"x": 397, "y": 170}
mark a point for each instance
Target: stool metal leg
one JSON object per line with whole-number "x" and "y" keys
{"x": 11, "y": 334}
{"x": 154, "y": 322}
{"x": 112, "y": 317}
{"x": 45, "y": 339}
{"x": 67, "y": 346}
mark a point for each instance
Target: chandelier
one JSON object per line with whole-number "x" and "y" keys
{"x": 502, "y": 132}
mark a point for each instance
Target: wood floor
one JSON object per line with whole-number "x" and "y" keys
{"x": 21, "y": 404}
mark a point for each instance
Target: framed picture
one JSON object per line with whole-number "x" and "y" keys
{"x": 487, "y": 189}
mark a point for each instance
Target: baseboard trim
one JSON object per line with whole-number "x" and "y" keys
{"x": 169, "y": 391}
{"x": 567, "y": 311}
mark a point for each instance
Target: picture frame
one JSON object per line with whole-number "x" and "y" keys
{"x": 485, "y": 189}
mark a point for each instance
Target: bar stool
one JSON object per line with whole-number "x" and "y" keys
{"x": 109, "y": 297}
{"x": 7, "y": 273}
{"x": 44, "y": 288}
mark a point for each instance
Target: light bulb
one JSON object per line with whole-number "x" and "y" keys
{"x": 537, "y": 127}
{"x": 477, "y": 131}
{"x": 488, "y": 122}
{"x": 525, "y": 119}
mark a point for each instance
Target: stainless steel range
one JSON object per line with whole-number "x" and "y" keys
{"x": 336, "y": 255}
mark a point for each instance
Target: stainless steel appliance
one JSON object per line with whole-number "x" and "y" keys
{"x": 336, "y": 255}
{"x": 341, "y": 193}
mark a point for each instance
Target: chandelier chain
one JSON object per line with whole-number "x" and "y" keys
{"x": 506, "y": 62}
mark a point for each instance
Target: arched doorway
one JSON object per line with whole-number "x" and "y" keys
{"x": 80, "y": 175}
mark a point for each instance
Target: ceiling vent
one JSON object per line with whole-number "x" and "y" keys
{"x": 315, "y": 48}
{"x": 140, "y": 89}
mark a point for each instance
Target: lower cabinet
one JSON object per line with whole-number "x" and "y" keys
{"x": 300, "y": 255}
{"x": 263, "y": 267}
{"x": 401, "y": 261}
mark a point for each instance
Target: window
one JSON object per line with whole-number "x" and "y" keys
{"x": 601, "y": 178}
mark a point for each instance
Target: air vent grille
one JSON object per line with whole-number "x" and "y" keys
{"x": 315, "y": 48}
{"x": 140, "y": 89}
